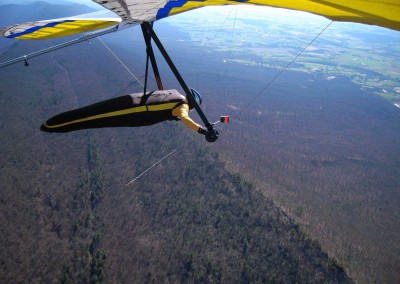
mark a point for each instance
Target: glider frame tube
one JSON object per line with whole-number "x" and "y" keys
{"x": 150, "y": 55}
{"x": 178, "y": 76}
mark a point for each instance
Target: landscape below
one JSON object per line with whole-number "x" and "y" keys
{"x": 317, "y": 144}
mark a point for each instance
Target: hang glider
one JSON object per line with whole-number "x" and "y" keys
{"x": 384, "y": 13}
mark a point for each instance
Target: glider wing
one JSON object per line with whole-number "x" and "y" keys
{"x": 48, "y": 29}
{"x": 385, "y": 13}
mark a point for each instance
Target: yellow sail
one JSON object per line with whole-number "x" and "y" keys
{"x": 384, "y": 13}
{"x": 48, "y": 29}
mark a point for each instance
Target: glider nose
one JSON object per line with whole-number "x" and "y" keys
{"x": 44, "y": 128}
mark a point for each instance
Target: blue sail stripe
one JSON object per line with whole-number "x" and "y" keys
{"x": 164, "y": 12}
{"x": 34, "y": 29}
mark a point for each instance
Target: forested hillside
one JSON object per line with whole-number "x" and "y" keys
{"x": 68, "y": 216}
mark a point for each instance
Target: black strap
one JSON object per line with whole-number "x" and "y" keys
{"x": 144, "y": 98}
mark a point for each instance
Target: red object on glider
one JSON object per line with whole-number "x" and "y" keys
{"x": 224, "y": 119}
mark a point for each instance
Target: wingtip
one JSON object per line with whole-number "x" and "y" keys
{"x": 44, "y": 128}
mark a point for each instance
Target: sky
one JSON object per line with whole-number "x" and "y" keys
{"x": 20, "y": 2}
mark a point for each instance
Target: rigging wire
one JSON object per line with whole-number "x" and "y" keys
{"x": 223, "y": 23}
{"x": 282, "y": 70}
{"x": 230, "y": 43}
{"x": 120, "y": 61}
{"x": 130, "y": 84}
{"x": 208, "y": 40}
{"x": 152, "y": 166}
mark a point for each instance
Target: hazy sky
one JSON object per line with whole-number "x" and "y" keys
{"x": 86, "y": 2}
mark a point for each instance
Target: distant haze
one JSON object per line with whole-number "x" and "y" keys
{"x": 55, "y": 2}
